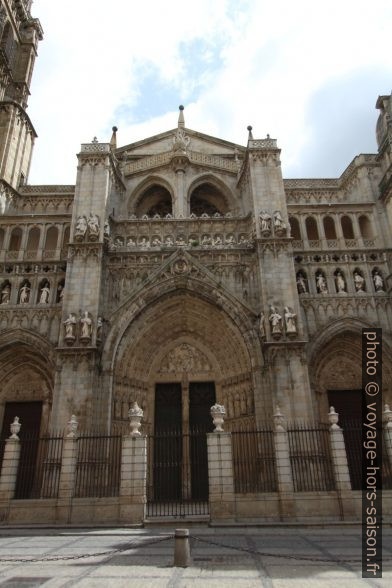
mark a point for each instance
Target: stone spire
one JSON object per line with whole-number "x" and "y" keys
{"x": 181, "y": 120}
{"x": 113, "y": 140}
{"x": 250, "y": 136}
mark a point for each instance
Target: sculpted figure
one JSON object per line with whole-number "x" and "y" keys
{"x": 44, "y": 295}
{"x": 99, "y": 328}
{"x": 230, "y": 241}
{"x": 279, "y": 224}
{"x": 60, "y": 293}
{"x": 131, "y": 242}
{"x": 86, "y": 323}
{"x": 321, "y": 284}
{"x": 218, "y": 241}
{"x": 93, "y": 227}
{"x": 106, "y": 231}
{"x": 378, "y": 282}
{"x": 262, "y": 326}
{"x": 301, "y": 284}
{"x": 290, "y": 321}
{"x": 275, "y": 320}
{"x": 156, "y": 242}
{"x": 24, "y": 294}
{"x": 359, "y": 282}
{"x": 206, "y": 240}
{"x": 243, "y": 240}
{"x": 80, "y": 227}
{"x": 144, "y": 244}
{"x": 169, "y": 241}
{"x": 265, "y": 222}
{"x": 6, "y": 294}
{"x": 180, "y": 141}
{"x": 180, "y": 241}
{"x": 69, "y": 324}
{"x": 340, "y": 283}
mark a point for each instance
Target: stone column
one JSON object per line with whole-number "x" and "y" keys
{"x": 67, "y": 472}
{"x": 283, "y": 467}
{"x": 9, "y": 468}
{"x": 340, "y": 466}
{"x": 220, "y": 469}
{"x": 133, "y": 471}
{"x": 388, "y": 431}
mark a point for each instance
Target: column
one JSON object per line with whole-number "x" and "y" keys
{"x": 67, "y": 473}
{"x": 283, "y": 467}
{"x": 9, "y": 468}
{"x": 340, "y": 466}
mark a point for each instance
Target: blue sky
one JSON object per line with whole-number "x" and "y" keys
{"x": 306, "y": 73}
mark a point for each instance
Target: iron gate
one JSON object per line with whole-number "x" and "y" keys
{"x": 177, "y": 478}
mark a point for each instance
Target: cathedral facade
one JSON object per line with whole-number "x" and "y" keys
{"x": 181, "y": 271}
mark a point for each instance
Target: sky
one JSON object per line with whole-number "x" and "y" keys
{"x": 305, "y": 72}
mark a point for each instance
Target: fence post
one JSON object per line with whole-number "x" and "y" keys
{"x": 67, "y": 472}
{"x": 9, "y": 468}
{"x": 388, "y": 431}
{"x": 133, "y": 471}
{"x": 220, "y": 468}
{"x": 340, "y": 466}
{"x": 283, "y": 467}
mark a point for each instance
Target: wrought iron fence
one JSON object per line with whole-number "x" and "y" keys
{"x": 177, "y": 474}
{"x": 310, "y": 457}
{"x": 98, "y": 466}
{"x": 39, "y": 466}
{"x": 254, "y": 462}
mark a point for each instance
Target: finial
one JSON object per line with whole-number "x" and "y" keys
{"x": 268, "y": 136}
{"x": 113, "y": 140}
{"x": 95, "y": 140}
{"x": 250, "y": 136}
{"x": 181, "y": 120}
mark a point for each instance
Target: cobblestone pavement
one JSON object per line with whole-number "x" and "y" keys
{"x": 144, "y": 557}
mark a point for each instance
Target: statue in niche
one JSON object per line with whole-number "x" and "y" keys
{"x": 24, "y": 294}
{"x": 99, "y": 328}
{"x": 60, "y": 293}
{"x": 206, "y": 240}
{"x": 180, "y": 241}
{"x": 218, "y": 241}
{"x": 340, "y": 283}
{"x": 156, "y": 242}
{"x": 144, "y": 243}
{"x": 44, "y": 294}
{"x": 180, "y": 141}
{"x": 359, "y": 282}
{"x": 290, "y": 319}
{"x": 279, "y": 225}
{"x": 5, "y": 294}
{"x": 131, "y": 242}
{"x": 80, "y": 227}
{"x": 93, "y": 227}
{"x": 275, "y": 320}
{"x": 86, "y": 324}
{"x": 301, "y": 284}
{"x": 106, "y": 231}
{"x": 243, "y": 240}
{"x": 262, "y": 326}
{"x": 169, "y": 241}
{"x": 69, "y": 325}
{"x": 265, "y": 222}
{"x": 378, "y": 282}
{"x": 230, "y": 241}
{"x": 321, "y": 284}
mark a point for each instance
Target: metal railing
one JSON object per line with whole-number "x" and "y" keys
{"x": 98, "y": 466}
{"x": 254, "y": 462}
{"x": 39, "y": 466}
{"x": 310, "y": 457}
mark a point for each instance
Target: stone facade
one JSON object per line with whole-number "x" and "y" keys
{"x": 183, "y": 258}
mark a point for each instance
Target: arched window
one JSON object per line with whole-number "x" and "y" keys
{"x": 66, "y": 236}
{"x": 51, "y": 239}
{"x": 155, "y": 200}
{"x": 329, "y": 228}
{"x": 207, "y": 199}
{"x": 365, "y": 227}
{"x": 311, "y": 229}
{"x": 15, "y": 239}
{"x": 347, "y": 227}
{"x": 33, "y": 239}
{"x": 295, "y": 228}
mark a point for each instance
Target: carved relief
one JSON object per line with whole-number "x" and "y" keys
{"x": 185, "y": 358}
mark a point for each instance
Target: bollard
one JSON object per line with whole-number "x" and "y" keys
{"x": 182, "y": 553}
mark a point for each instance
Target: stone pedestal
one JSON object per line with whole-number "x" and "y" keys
{"x": 283, "y": 468}
{"x": 133, "y": 479}
{"x": 220, "y": 476}
{"x": 67, "y": 480}
{"x": 340, "y": 468}
{"x": 9, "y": 469}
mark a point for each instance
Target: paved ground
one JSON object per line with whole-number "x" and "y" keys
{"x": 149, "y": 562}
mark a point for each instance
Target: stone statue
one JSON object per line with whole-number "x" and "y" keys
{"x": 44, "y": 295}
{"x": 243, "y": 240}
{"x": 24, "y": 294}
{"x": 275, "y": 320}
{"x": 301, "y": 284}
{"x": 5, "y": 294}
{"x": 144, "y": 244}
{"x": 321, "y": 284}
{"x": 279, "y": 225}
{"x": 169, "y": 241}
{"x": 378, "y": 282}
{"x": 230, "y": 241}
{"x": 87, "y": 324}
{"x": 106, "y": 231}
{"x": 131, "y": 242}
{"x": 218, "y": 241}
{"x": 180, "y": 141}
{"x": 340, "y": 283}
{"x": 180, "y": 241}
{"x": 93, "y": 227}
{"x": 60, "y": 293}
{"x": 206, "y": 240}
{"x": 69, "y": 324}
{"x": 359, "y": 282}
{"x": 156, "y": 242}
{"x": 290, "y": 319}
{"x": 265, "y": 222}
{"x": 80, "y": 228}
{"x": 262, "y": 326}
{"x": 99, "y": 328}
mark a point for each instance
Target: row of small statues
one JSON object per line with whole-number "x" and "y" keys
{"x": 206, "y": 241}
{"x": 276, "y": 323}
{"x": 25, "y": 292}
{"x": 86, "y": 327}
{"x": 169, "y": 215}
{"x": 276, "y": 221}
{"x": 89, "y": 226}
{"x": 340, "y": 283}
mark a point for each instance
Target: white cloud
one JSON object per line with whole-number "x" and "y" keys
{"x": 274, "y": 59}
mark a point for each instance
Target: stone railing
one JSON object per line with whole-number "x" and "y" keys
{"x": 164, "y": 158}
